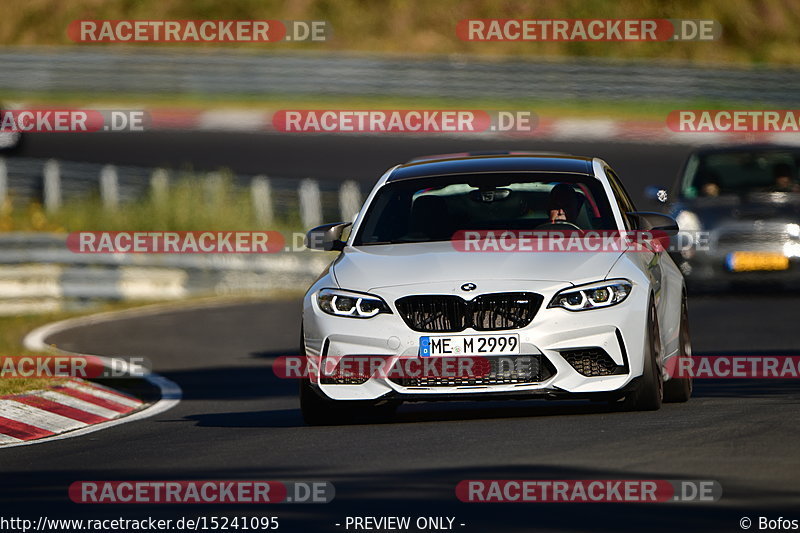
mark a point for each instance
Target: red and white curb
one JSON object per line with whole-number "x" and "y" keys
{"x": 78, "y": 407}
{"x": 75, "y": 404}
{"x": 548, "y": 128}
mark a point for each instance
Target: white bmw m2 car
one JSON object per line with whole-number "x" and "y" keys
{"x": 492, "y": 276}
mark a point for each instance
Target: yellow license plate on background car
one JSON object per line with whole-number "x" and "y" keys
{"x": 749, "y": 261}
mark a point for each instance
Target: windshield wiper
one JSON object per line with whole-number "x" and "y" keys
{"x": 377, "y": 243}
{"x": 401, "y": 241}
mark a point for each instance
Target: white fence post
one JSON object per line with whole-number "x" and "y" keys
{"x": 261, "y": 194}
{"x": 3, "y": 186}
{"x": 159, "y": 186}
{"x": 214, "y": 186}
{"x": 52, "y": 186}
{"x": 349, "y": 200}
{"x": 310, "y": 203}
{"x": 109, "y": 187}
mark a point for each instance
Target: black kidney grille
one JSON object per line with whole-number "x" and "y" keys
{"x": 433, "y": 313}
{"x": 507, "y": 310}
{"x": 487, "y": 312}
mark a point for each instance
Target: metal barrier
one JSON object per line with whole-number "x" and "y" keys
{"x": 38, "y": 273}
{"x": 167, "y": 70}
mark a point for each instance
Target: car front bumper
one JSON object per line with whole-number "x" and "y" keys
{"x": 553, "y": 334}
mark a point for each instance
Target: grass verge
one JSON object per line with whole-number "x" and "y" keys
{"x": 567, "y": 108}
{"x": 192, "y": 203}
{"x": 762, "y": 31}
{"x": 14, "y": 328}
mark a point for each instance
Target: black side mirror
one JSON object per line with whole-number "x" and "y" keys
{"x": 327, "y": 237}
{"x": 663, "y": 226}
{"x": 656, "y": 222}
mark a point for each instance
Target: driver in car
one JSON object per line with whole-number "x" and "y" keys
{"x": 784, "y": 182}
{"x": 563, "y": 204}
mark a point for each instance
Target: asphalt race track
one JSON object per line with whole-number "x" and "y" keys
{"x": 339, "y": 157}
{"x": 239, "y": 421}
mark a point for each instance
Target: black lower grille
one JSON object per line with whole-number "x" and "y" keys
{"x": 498, "y": 370}
{"x": 487, "y": 312}
{"x": 592, "y": 362}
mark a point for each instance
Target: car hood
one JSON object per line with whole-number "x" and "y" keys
{"x": 371, "y": 267}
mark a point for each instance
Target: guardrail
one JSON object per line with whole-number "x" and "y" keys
{"x": 213, "y": 72}
{"x": 38, "y": 273}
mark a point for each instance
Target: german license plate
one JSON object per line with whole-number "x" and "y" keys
{"x": 454, "y": 345}
{"x": 749, "y": 261}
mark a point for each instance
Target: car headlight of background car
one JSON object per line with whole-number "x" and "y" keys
{"x": 690, "y": 227}
{"x": 592, "y": 296}
{"x": 340, "y": 302}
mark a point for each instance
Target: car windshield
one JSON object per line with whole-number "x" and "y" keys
{"x": 721, "y": 173}
{"x": 433, "y": 209}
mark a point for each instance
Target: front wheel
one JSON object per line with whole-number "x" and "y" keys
{"x": 677, "y": 389}
{"x": 319, "y": 411}
{"x": 650, "y": 391}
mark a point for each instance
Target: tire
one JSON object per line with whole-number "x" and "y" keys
{"x": 679, "y": 390}
{"x": 320, "y": 411}
{"x": 649, "y": 394}
{"x": 316, "y": 410}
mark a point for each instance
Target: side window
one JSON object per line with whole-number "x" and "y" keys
{"x": 623, "y": 200}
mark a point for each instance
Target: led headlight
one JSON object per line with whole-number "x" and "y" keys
{"x": 353, "y": 304}
{"x": 688, "y": 221}
{"x": 592, "y": 296}
{"x": 690, "y": 227}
